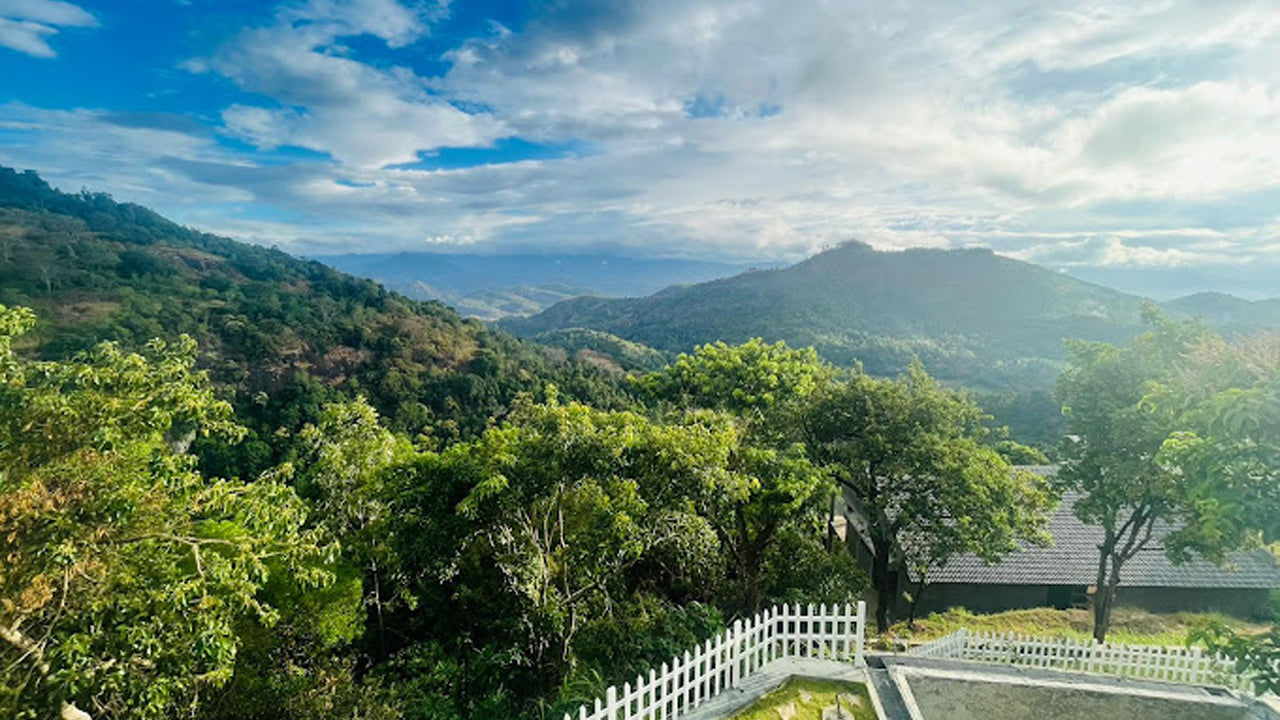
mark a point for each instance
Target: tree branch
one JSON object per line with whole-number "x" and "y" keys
{"x": 13, "y": 636}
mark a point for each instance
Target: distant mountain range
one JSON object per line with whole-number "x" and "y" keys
{"x": 975, "y": 318}
{"x": 1227, "y": 312}
{"x": 970, "y": 315}
{"x": 493, "y": 286}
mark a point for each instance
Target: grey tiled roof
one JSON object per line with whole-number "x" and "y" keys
{"x": 1073, "y": 560}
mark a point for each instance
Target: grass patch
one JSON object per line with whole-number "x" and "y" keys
{"x": 802, "y": 698}
{"x": 1128, "y": 625}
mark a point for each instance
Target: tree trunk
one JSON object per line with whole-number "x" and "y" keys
{"x": 751, "y": 595}
{"x": 831, "y": 524}
{"x": 1104, "y": 596}
{"x": 886, "y": 584}
{"x": 915, "y": 602}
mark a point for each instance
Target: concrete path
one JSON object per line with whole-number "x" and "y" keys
{"x": 884, "y": 692}
{"x": 769, "y": 678}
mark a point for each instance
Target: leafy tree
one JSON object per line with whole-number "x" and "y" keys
{"x": 123, "y": 571}
{"x": 754, "y": 379}
{"x": 559, "y": 509}
{"x": 1228, "y": 395}
{"x": 765, "y": 387}
{"x": 1116, "y": 435}
{"x": 343, "y": 460}
{"x": 913, "y": 461}
{"x": 1227, "y": 450}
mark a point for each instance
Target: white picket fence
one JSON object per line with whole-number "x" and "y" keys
{"x": 684, "y": 683}
{"x": 1149, "y": 662}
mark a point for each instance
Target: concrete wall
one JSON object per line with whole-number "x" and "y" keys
{"x": 983, "y": 598}
{"x": 1246, "y": 604}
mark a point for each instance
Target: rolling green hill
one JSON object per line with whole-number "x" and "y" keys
{"x": 975, "y": 318}
{"x": 281, "y": 335}
{"x": 1227, "y": 312}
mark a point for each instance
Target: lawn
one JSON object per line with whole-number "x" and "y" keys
{"x": 802, "y": 698}
{"x": 1128, "y": 625}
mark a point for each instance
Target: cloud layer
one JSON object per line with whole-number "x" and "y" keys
{"x": 27, "y": 25}
{"x": 1142, "y": 134}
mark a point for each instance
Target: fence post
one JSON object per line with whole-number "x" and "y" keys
{"x": 735, "y": 649}
{"x": 665, "y": 684}
{"x": 611, "y": 702}
{"x": 859, "y": 639}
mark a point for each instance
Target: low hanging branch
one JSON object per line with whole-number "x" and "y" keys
{"x": 33, "y": 651}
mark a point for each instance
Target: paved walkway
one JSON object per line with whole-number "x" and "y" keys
{"x": 884, "y": 692}
{"x": 768, "y": 678}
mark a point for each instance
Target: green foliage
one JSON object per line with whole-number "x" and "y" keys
{"x": 753, "y": 378}
{"x": 559, "y": 522}
{"x": 765, "y": 387}
{"x": 1019, "y": 454}
{"x": 1171, "y": 430}
{"x": 585, "y": 343}
{"x": 642, "y": 634}
{"x": 1256, "y": 654}
{"x": 800, "y": 568}
{"x": 1228, "y": 447}
{"x": 567, "y": 499}
{"x": 912, "y": 459}
{"x": 1033, "y": 417}
{"x": 125, "y": 571}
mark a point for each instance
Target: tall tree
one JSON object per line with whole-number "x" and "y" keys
{"x": 1134, "y": 458}
{"x": 564, "y": 501}
{"x": 913, "y": 461}
{"x": 1227, "y": 448}
{"x": 342, "y": 464}
{"x": 765, "y": 387}
{"x": 122, "y": 570}
{"x": 1229, "y": 395}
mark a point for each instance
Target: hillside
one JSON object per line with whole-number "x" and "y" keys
{"x": 494, "y": 286}
{"x": 279, "y": 334}
{"x": 975, "y": 318}
{"x": 1227, "y": 312}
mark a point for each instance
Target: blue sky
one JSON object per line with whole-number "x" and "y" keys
{"x": 1134, "y": 142}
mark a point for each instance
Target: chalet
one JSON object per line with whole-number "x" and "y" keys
{"x": 1063, "y": 575}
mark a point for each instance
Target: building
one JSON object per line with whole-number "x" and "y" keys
{"x": 1063, "y": 575}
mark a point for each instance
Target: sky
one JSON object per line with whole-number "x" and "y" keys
{"x": 1133, "y": 143}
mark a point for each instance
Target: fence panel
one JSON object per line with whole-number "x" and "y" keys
{"x": 691, "y": 679}
{"x": 1148, "y": 662}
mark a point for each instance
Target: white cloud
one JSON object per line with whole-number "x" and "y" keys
{"x": 362, "y": 115}
{"x": 1198, "y": 142}
{"x": 26, "y": 25}
{"x": 1141, "y": 134}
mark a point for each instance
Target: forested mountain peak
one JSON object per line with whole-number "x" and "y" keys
{"x": 972, "y": 316}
